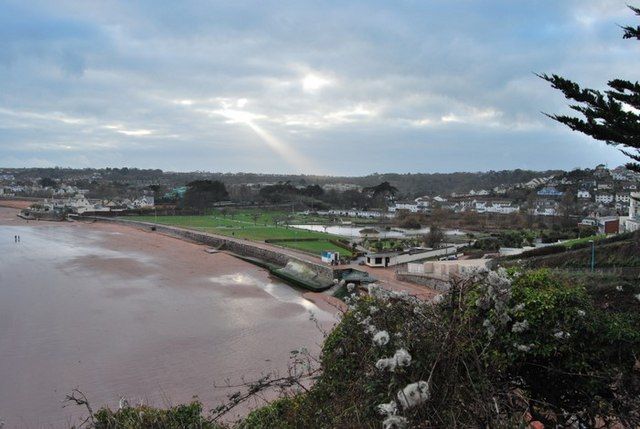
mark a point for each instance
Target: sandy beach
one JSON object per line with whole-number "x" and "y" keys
{"x": 117, "y": 311}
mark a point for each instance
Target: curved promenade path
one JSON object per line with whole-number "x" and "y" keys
{"x": 386, "y": 276}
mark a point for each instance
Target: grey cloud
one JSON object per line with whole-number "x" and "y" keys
{"x": 409, "y": 86}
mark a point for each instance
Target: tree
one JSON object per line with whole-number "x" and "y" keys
{"x": 610, "y": 116}
{"x": 156, "y": 191}
{"x": 255, "y": 216}
{"x": 202, "y": 194}
{"x": 47, "y": 182}
{"x": 384, "y": 189}
{"x": 434, "y": 237}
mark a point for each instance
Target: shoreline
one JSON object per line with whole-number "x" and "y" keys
{"x": 156, "y": 301}
{"x": 9, "y": 216}
{"x": 386, "y": 277}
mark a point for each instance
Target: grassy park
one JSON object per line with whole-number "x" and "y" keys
{"x": 255, "y": 226}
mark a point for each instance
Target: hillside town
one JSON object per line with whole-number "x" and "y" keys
{"x": 598, "y": 197}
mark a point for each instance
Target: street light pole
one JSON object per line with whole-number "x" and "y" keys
{"x": 593, "y": 254}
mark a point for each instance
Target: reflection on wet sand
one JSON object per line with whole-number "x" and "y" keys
{"x": 118, "y": 312}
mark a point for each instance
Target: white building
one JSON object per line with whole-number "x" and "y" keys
{"x": 583, "y": 193}
{"x": 545, "y": 208}
{"x": 500, "y": 190}
{"x": 605, "y": 185}
{"x": 623, "y": 198}
{"x": 633, "y": 222}
{"x": 341, "y": 187}
{"x": 604, "y": 198}
{"x": 143, "y": 202}
{"x": 389, "y": 259}
{"x": 357, "y": 213}
{"x": 413, "y": 207}
{"x": 502, "y": 207}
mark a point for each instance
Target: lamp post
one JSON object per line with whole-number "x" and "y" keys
{"x": 593, "y": 254}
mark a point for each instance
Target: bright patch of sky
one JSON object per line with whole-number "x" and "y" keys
{"x": 339, "y": 87}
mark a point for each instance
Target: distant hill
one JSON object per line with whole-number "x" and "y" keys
{"x": 410, "y": 184}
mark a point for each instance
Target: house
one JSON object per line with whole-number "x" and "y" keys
{"x": 621, "y": 207}
{"x": 379, "y": 259}
{"x": 502, "y": 207}
{"x": 358, "y": 213}
{"x": 143, "y": 202}
{"x": 500, "y": 190}
{"x": 608, "y": 225}
{"x": 618, "y": 175}
{"x": 583, "y": 193}
{"x": 633, "y": 222}
{"x": 623, "y": 174}
{"x": 389, "y": 259}
{"x": 545, "y": 208}
{"x": 341, "y": 187}
{"x": 481, "y": 192}
{"x": 413, "y": 207}
{"x": 534, "y": 183}
{"x": 550, "y": 191}
{"x": 605, "y": 185}
{"x": 604, "y": 198}
{"x": 605, "y": 224}
{"x": 589, "y": 221}
{"x": 623, "y": 197}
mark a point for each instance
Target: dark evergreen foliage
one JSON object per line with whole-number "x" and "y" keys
{"x": 202, "y": 194}
{"x": 384, "y": 189}
{"x": 610, "y": 116}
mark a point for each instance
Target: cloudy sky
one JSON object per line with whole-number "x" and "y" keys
{"x": 334, "y": 87}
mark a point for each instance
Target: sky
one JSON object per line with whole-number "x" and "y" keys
{"x": 316, "y": 87}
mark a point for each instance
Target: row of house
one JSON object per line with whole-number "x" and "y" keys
{"x": 80, "y": 204}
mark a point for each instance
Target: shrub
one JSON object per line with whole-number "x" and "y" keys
{"x": 178, "y": 417}
{"x": 499, "y": 347}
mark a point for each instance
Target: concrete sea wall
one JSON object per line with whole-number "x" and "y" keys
{"x": 317, "y": 276}
{"x": 424, "y": 280}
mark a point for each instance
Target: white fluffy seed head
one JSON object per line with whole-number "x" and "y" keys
{"x": 388, "y": 409}
{"x": 413, "y": 394}
{"x": 386, "y": 364}
{"x": 394, "y": 422}
{"x": 381, "y": 338}
{"x": 402, "y": 357}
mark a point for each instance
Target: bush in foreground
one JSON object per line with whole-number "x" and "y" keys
{"x": 500, "y": 350}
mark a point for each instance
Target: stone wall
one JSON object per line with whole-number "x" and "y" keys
{"x": 424, "y": 280}
{"x": 237, "y": 246}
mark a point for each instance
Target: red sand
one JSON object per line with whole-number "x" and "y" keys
{"x": 119, "y": 311}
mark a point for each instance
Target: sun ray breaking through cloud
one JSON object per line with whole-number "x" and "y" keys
{"x": 288, "y": 153}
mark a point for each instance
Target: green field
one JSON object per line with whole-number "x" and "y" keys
{"x": 315, "y": 247}
{"x": 243, "y": 225}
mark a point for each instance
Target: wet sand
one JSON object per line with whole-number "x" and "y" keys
{"x": 117, "y": 311}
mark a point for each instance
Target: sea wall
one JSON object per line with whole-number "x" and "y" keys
{"x": 322, "y": 273}
{"x": 424, "y": 280}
